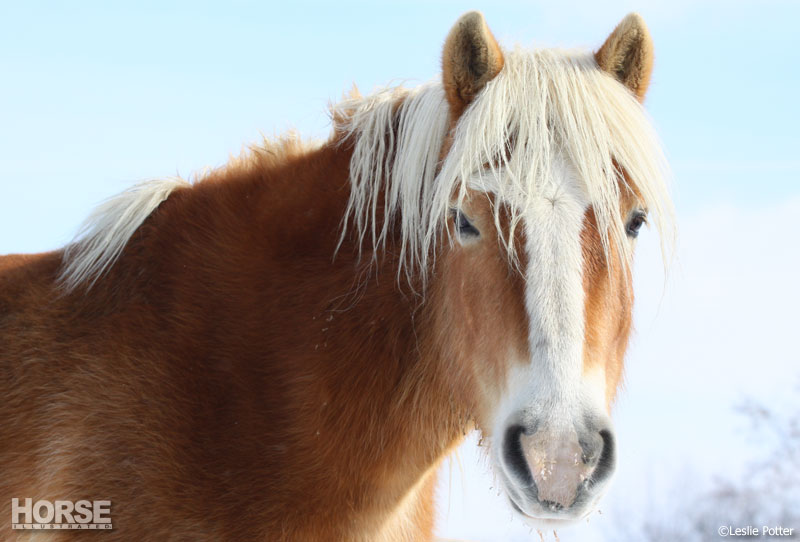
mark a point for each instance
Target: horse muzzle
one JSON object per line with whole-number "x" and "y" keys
{"x": 556, "y": 474}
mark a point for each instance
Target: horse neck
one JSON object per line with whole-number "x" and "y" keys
{"x": 342, "y": 365}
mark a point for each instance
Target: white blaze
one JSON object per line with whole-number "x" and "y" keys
{"x": 547, "y": 387}
{"x": 554, "y": 296}
{"x": 550, "y": 394}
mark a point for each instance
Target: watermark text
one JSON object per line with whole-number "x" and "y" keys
{"x": 752, "y": 531}
{"x": 44, "y": 514}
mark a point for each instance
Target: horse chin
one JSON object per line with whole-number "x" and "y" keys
{"x": 550, "y": 521}
{"x": 549, "y": 524}
{"x": 539, "y": 517}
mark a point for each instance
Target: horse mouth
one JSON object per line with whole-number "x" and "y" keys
{"x": 548, "y": 514}
{"x": 549, "y": 521}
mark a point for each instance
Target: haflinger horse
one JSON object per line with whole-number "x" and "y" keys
{"x": 288, "y": 348}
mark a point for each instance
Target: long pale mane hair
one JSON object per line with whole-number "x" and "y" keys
{"x": 542, "y": 106}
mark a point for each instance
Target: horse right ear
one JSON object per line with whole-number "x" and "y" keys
{"x": 471, "y": 58}
{"x": 627, "y": 54}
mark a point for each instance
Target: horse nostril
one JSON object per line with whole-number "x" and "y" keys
{"x": 592, "y": 446}
{"x": 607, "y": 458}
{"x": 515, "y": 457}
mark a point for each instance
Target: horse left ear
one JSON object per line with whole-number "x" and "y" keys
{"x": 471, "y": 58}
{"x": 627, "y": 54}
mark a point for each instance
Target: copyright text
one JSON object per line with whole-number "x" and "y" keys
{"x": 753, "y": 531}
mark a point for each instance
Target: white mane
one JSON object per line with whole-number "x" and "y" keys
{"x": 104, "y": 234}
{"x": 542, "y": 105}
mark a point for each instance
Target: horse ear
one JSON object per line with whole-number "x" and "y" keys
{"x": 471, "y": 58}
{"x": 627, "y": 54}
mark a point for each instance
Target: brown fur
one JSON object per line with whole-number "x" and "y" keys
{"x": 608, "y": 307}
{"x": 228, "y": 379}
{"x": 172, "y": 390}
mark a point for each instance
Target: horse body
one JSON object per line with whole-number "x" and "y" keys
{"x": 176, "y": 345}
{"x": 245, "y": 368}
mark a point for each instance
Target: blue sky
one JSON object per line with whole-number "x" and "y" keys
{"x": 97, "y": 96}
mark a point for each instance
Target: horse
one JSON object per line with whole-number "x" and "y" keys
{"x": 288, "y": 347}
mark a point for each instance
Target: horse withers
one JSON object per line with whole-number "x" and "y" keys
{"x": 288, "y": 348}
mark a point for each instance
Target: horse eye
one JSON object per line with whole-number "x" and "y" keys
{"x": 463, "y": 226}
{"x": 635, "y": 224}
